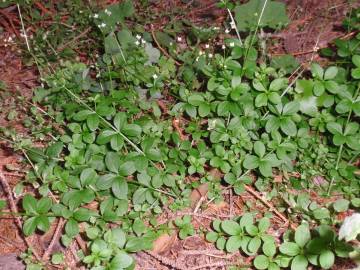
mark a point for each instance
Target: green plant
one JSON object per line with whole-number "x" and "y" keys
{"x": 185, "y": 226}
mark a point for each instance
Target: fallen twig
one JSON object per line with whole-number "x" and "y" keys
{"x": 14, "y": 209}
{"x": 54, "y": 239}
{"x": 160, "y": 48}
{"x": 269, "y": 205}
{"x": 61, "y": 48}
{"x": 165, "y": 261}
{"x": 217, "y": 264}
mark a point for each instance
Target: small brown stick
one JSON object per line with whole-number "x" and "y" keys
{"x": 13, "y": 208}
{"x": 7, "y": 16}
{"x": 217, "y": 264}
{"x": 175, "y": 123}
{"x": 55, "y": 238}
{"x": 43, "y": 9}
{"x": 165, "y": 261}
{"x": 81, "y": 243}
{"x": 269, "y": 205}
{"x": 160, "y": 48}
{"x": 61, "y": 48}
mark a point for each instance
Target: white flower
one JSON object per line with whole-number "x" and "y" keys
{"x": 170, "y": 43}
{"x": 216, "y": 28}
{"x": 233, "y": 25}
{"x": 179, "y": 39}
{"x": 227, "y": 31}
{"x": 197, "y": 59}
{"x": 138, "y": 37}
{"x": 223, "y": 47}
{"x": 137, "y": 43}
{"x": 155, "y": 76}
{"x": 108, "y": 12}
{"x": 143, "y": 41}
{"x": 210, "y": 55}
{"x": 207, "y": 46}
{"x": 232, "y": 44}
{"x": 96, "y": 15}
{"x": 201, "y": 52}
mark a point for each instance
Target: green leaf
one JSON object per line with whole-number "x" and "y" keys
{"x": 43, "y": 205}
{"x": 117, "y": 142}
{"x": 119, "y": 237}
{"x": 88, "y": 177}
{"x": 196, "y": 99}
{"x": 317, "y": 71}
{"x": 278, "y": 84}
{"x": 233, "y": 243}
{"x": 29, "y": 226}
{"x": 264, "y": 224}
{"x": 139, "y": 196}
{"x": 291, "y": 108}
{"x": 288, "y": 126}
{"x": 254, "y": 245}
{"x": 330, "y": 73}
{"x": 259, "y": 148}
{"x": 274, "y": 98}
{"x": 265, "y": 168}
{"x": 71, "y": 228}
{"x": 92, "y": 121}
{"x": 121, "y": 260}
{"x": 120, "y": 187}
{"x": 273, "y": 15}
{"x": 82, "y": 115}
{"x": 127, "y": 168}
{"x": 29, "y": 204}
{"x": 272, "y": 124}
{"x": 326, "y": 259}
{"x": 302, "y": 235}
{"x": 112, "y": 162}
{"x": 120, "y": 120}
{"x": 204, "y": 109}
{"x": 356, "y": 60}
{"x": 139, "y": 227}
{"x": 269, "y": 248}
{"x": 355, "y": 73}
{"x": 132, "y": 130}
{"x": 43, "y": 223}
{"x": 251, "y": 162}
{"x": 212, "y": 237}
{"x": 261, "y": 100}
{"x": 54, "y": 150}
{"x": 261, "y": 262}
{"x": 231, "y": 227}
{"x": 299, "y": 263}
{"x": 341, "y": 205}
{"x": 82, "y": 214}
{"x": 289, "y": 248}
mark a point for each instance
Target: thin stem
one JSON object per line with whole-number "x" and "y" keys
{"x": 342, "y": 146}
{"x": 235, "y": 27}
{"x": 253, "y": 36}
{"x": 106, "y": 122}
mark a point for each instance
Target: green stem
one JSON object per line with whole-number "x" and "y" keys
{"x": 342, "y": 146}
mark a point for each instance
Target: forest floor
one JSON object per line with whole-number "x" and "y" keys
{"x": 314, "y": 24}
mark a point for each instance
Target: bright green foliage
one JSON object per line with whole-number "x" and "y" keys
{"x": 274, "y": 15}
{"x": 185, "y": 226}
{"x": 142, "y": 134}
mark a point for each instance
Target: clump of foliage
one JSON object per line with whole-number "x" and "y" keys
{"x": 120, "y": 159}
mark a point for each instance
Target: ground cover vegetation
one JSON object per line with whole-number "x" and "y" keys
{"x": 150, "y": 120}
